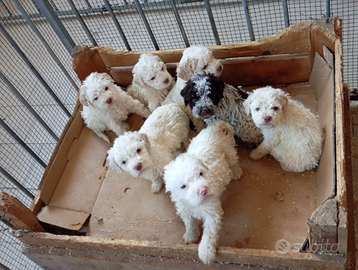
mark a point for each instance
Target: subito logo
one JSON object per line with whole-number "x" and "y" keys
{"x": 282, "y": 246}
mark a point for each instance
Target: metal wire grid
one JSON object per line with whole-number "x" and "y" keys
{"x": 10, "y": 248}
{"x": 45, "y": 65}
{"x": 348, "y": 10}
{"x": 300, "y": 11}
{"x": 230, "y": 21}
{"x": 266, "y": 17}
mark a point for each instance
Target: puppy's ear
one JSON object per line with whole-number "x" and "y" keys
{"x": 247, "y": 104}
{"x": 217, "y": 87}
{"x": 185, "y": 91}
{"x": 83, "y": 95}
{"x": 145, "y": 138}
{"x": 112, "y": 162}
{"x": 186, "y": 69}
{"x": 138, "y": 79}
{"x": 283, "y": 100}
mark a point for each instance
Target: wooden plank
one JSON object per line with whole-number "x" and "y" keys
{"x": 268, "y": 258}
{"x": 59, "y": 258}
{"x": 245, "y": 71}
{"x": 18, "y": 214}
{"x": 295, "y": 39}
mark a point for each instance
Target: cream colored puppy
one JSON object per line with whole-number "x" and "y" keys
{"x": 292, "y": 133}
{"x": 197, "y": 179}
{"x": 195, "y": 59}
{"x": 106, "y": 106}
{"x": 151, "y": 81}
{"x": 146, "y": 152}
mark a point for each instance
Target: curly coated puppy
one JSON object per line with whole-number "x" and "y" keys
{"x": 292, "y": 133}
{"x": 211, "y": 99}
{"x": 195, "y": 59}
{"x": 146, "y": 152}
{"x": 151, "y": 81}
{"x": 197, "y": 179}
{"x": 106, "y": 106}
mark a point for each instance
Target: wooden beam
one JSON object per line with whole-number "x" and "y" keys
{"x": 18, "y": 214}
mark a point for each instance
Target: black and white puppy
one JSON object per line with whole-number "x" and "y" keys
{"x": 211, "y": 99}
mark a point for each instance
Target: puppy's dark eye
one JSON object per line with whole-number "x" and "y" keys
{"x": 95, "y": 98}
{"x": 275, "y": 108}
{"x": 162, "y": 68}
{"x": 138, "y": 150}
{"x": 152, "y": 78}
{"x": 257, "y": 109}
{"x": 201, "y": 174}
{"x": 183, "y": 186}
{"x": 205, "y": 67}
{"x": 124, "y": 162}
{"x": 106, "y": 88}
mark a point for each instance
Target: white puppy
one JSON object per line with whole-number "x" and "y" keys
{"x": 292, "y": 133}
{"x": 195, "y": 59}
{"x": 197, "y": 179}
{"x": 106, "y": 105}
{"x": 151, "y": 81}
{"x": 146, "y": 152}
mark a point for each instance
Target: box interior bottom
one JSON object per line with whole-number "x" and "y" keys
{"x": 267, "y": 204}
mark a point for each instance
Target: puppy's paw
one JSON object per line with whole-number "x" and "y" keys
{"x": 257, "y": 154}
{"x": 191, "y": 237}
{"x": 207, "y": 253}
{"x": 157, "y": 187}
{"x": 237, "y": 172}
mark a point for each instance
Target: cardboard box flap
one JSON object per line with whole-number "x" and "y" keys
{"x": 64, "y": 218}
{"x": 322, "y": 83}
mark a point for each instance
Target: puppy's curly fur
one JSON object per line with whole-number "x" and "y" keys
{"x": 197, "y": 179}
{"x": 146, "y": 152}
{"x": 292, "y": 133}
{"x": 211, "y": 99}
{"x": 151, "y": 81}
{"x": 195, "y": 59}
{"x": 106, "y": 106}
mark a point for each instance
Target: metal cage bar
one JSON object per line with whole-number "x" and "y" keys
{"x": 52, "y": 18}
{"x": 285, "y": 13}
{"x": 27, "y": 105}
{"x": 33, "y": 69}
{"x": 116, "y": 23}
{"x": 44, "y": 42}
{"x": 142, "y": 15}
{"x": 212, "y": 22}
{"x": 84, "y": 26}
{"x": 180, "y": 23}
{"x": 248, "y": 20}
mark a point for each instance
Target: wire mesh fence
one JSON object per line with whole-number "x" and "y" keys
{"x": 146, "y": 25}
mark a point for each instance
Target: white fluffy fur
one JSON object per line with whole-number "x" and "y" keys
{"x": 106, "y": 105}
{"x": 292, "y": 133}
{"x": 194, "y": 60}
{"x": 160, "y": 136}
{"x": 151, "y": 81}
{"x": 197, "y": 179}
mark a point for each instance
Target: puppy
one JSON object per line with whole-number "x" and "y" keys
{"x": 197, "y": 179}
{"x": 146, "y": 152}
{"x": 195, "y": 59}
{"x": 211, "y": 99}
{"x": 106, "y": 105}
{"x": 292, "y": 133}
{"x": 151, "y": 81}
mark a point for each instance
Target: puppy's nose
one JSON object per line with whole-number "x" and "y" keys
{"x": 203, "y": 191}
{"x": 267, "y": 119}
{"x": 206, "y": 111}
{"x": 138, "y": 167}
{"x": 166, "y": 80}
{"x": 219, "y": 68}
{"x": 109, "y": 100}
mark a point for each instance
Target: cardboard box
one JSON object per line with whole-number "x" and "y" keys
{"x": 113, "y": 221}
